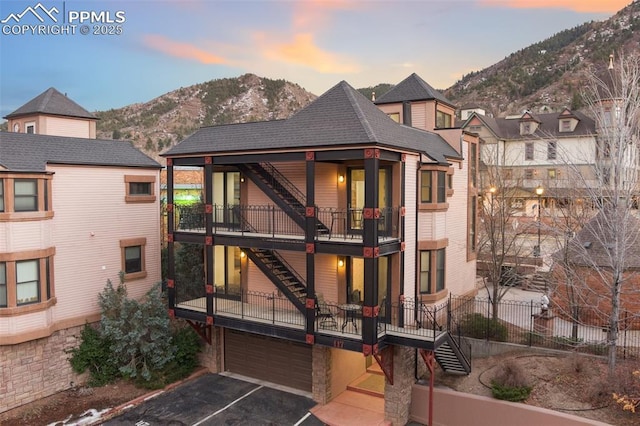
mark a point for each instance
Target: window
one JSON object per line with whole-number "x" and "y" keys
{"x": 133, "y": 258}
{"x": 442, "y": 187}
{"x": 551, "y": 174}
{"x": 425, "y": 275}
{"x": 551, "y": 150}
{"x": 475, "y": 129}
{"x": 565, "y": 125}
{"x": 440, "y": 268}
{"x": 508, "y": 174}
{"x": 473, "y": 207}
{"x": 30, "y": 127}
{"x": 443, "y": 120}
{"x": 425, "y": 186}
{"x": 25, "y": 195}
{"x": 473, "y": 161}
{"x": 1, "y": 195}
{"x": 140, "y": 189}
{"x": 434, "y": 186}
{"x": 395, "y": 116}
{"x": 430, "y": 275}
{"x": 528, "y": 173}
{"x": 3, "y": 285}
{"x": 27, "y": 282}
{"x": 526, "y": 128}
{"x": 528, "y": 151}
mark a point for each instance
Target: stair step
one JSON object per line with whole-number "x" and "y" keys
{"x": 368, "y": 384}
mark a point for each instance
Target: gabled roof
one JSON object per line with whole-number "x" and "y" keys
{"x": 592, "y": 245}
{"x": 505, "y": 128}
{"x": 52, "y": 102}
{"x": 340, "y": 117}
{"x": 412, "y": 88}
{"x": 32, "y": 152}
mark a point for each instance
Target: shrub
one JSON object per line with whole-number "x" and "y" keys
{"x": 94, "y": 354}
{"x": 480, "y": 327}
{"x": 510, "y": 383}
{"x": 135, "y": 340}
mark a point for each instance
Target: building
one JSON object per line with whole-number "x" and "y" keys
{"x": 74, "y": 212}
{"x": 528, "y": 151}
{"x": 327, "y": 236}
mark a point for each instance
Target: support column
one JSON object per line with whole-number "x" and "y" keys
{"x": 310, "y": 238}
{"x": 211, "y": 355}
{"x": 371, "y": 215}
{"x": 321, "y": 374}
{"x": 171, "y": 267}
{"x": 397, "y": 397}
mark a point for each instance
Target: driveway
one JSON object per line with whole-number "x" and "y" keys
{"x": 213, "y": 399}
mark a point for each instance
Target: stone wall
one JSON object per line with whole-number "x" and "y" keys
{"x": 397, "y": 397}
{"x": 321, "y": 374}
{"x": 211, "y": 354}
{"x": 37, "y": 369}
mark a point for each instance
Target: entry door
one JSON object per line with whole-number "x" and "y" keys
{"x": 226, "y": 198}
{"x": 355, "y": 203}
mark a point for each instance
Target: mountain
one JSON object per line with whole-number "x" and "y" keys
{"x": 156, "y": 125}
{"x": 548, "y": 75}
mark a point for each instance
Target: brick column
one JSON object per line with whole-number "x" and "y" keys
{"x": 321, "y": 375}
{"x": 211, "y": 354}
{"x": 397, "y": 397}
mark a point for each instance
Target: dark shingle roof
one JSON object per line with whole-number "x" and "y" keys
{"x": 412, "y": 88}
{"x": 340, "y": 117}
{"x": 31, "y": 152}
{"x": 592, "y": 245}
{"x": 52, "y": 102}
{"x": 509, "y": 128}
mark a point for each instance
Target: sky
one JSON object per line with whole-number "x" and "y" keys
{"x": 109, "y": 54}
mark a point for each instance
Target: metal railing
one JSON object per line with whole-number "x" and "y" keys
{"x": 272, "y": 221}
{"x": 527, "y": 324}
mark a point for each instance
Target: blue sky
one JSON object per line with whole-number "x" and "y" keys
{"x": 163, "y": 45}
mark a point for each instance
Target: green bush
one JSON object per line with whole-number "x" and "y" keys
{"x": 510, "y": 383}
{"x": 480, "y": 327}
{"x": 136, "y": 340}
{"x": 507, "y": 393}
{"x": 94, "y": 354}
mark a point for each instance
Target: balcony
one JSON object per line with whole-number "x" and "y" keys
{"x": 270, "y": 221}
{"x": 403, "y": 322}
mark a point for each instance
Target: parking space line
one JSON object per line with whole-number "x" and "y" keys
{"x": 299, "y": 422}
{"x": 227, "y": 406}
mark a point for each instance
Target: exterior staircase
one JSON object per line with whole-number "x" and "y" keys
{"x": 538, "y": 282}
{"x": 281, "y": 274}
{"x": 451, "y": 358}
{"x": 284, "y": 193}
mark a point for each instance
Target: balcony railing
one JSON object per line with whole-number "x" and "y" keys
{"x": 272, "y": 222}
{"x": 407, "y": 318}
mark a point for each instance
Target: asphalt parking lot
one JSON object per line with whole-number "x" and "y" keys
{"x": 213, "y": 399}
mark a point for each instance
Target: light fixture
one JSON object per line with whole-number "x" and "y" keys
{"x": 493, "y": 189}
{"x": 340, "y": 262}
{"x": 539, "y": 190}
{"x": 340, "y": 178}
{"x": 241, "y": 178}
{"x": 242, "y": 254}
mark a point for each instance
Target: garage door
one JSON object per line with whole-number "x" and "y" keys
{"x": 265, "y": 358}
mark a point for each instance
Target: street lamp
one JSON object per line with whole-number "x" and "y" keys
{"x": 539, "y": 192}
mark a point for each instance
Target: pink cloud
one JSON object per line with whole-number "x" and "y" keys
{"x": 181, "y": 50}
{"x": 303, "y": 51}
{"x": 585, "y": 6}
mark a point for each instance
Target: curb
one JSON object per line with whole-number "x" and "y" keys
{"x": 116, "y": 411}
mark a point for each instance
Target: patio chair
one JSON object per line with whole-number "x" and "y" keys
{"x": 324, "y": 315}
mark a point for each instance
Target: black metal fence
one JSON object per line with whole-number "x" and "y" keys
{"x": 527, "y": 323}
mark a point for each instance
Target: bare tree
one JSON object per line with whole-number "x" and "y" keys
{"x": 597, "y": 264}
{"x": 500, "y": 247}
